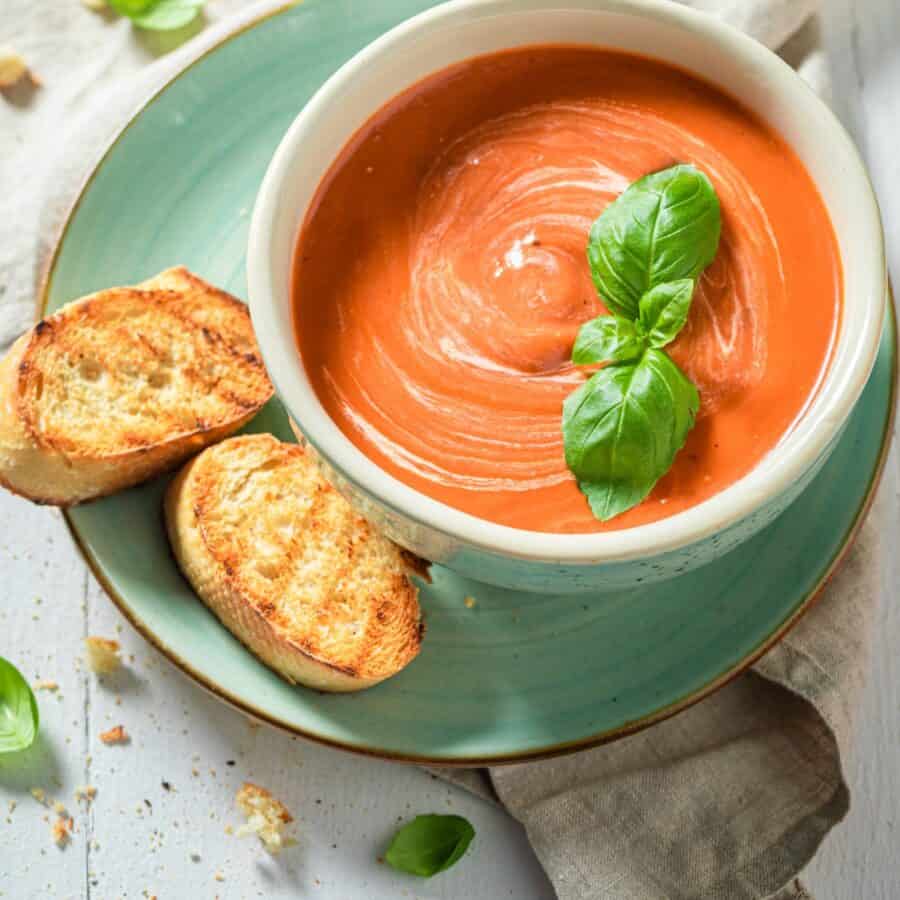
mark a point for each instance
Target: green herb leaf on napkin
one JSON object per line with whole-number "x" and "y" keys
{"x": 19, "y": 717}
{"x": 130, "y": 7}
{"x": 429, "y": 844}
{"x": 159, "y": 15}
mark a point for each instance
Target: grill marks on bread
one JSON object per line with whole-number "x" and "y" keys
{"x": 290, "y": 568}
{"x": 120, "y": 385}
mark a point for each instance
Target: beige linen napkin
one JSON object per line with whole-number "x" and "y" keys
{"x": 726, "y": 801}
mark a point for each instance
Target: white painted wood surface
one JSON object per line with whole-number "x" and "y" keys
{"x": 860, "y": 860}
{"x": 139, "y": 838}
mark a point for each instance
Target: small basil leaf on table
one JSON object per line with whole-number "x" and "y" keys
{"x": 623, "y": 427}
{"x": 429, "y": 844}
{"x": 664, "y": 310}
{"x": 19, "y": 717}
{"x": 607, "y": 339}
{"x": 663, "y": 227}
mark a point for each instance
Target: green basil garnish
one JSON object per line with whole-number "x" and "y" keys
{"x": 130, "y": 7}
{"x": 664, "y": 227}
{"x": 608, "y": 339}
{"x": 429, "y": 844}
{"x": 158, "y": 15}
{"x": 664, "y": 310}
{"x": 624, "y": 425}
{"x": 19, "y": 717}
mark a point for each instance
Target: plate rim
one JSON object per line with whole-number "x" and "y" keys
{"x": 552, "y": 750}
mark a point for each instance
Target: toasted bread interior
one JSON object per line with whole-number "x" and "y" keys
{"x": 130, "y": 368}
{"x": 119, "y": 386}
{"x": 292, "y": 549}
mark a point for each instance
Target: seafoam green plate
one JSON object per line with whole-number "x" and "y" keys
{"x": 516, "y": 676}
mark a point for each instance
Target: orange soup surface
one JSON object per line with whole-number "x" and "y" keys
{"x": 441, "y": 276}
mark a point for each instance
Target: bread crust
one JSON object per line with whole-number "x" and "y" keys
{"x": 253, "y": 504}
{"x": 52, "y": 461}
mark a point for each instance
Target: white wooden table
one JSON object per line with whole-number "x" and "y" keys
{"x": 158, "y": 823}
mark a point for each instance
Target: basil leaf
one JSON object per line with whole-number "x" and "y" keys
{"x": 664, "y": 310}
{"x": 130, "y": 7}
{"x": 159, "y": 15}
{"x": 429, "y": 844}
{"x": 18, "y": 710}
{"x": 664, "y": 227}
{"x": 623, "y": 427}
{"x": 607, "y": 339}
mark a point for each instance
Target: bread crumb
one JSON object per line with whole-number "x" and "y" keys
{"x": 228, "y": 828}
{"x": 13, "y": 68}
{"x": 87, "y": 792}
{"x": 46, "y": 685}
{"x": 12, "y": 805}
{"x": 471, "y": 602}
{"x": 62, "y": 831}
{"x": 116, "y": 735}
{"x": 102, "y": 655}
{"x": 219, "y": 876}
{"x": 94, "y": 5}
{"x": 59, "y": 808}
{"x": 266, "y": 817}
{"x": 39, "y": 795}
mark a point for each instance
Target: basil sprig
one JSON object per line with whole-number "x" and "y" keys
{"x": 624, "y": 425}
{"x": 18, "y": 710}
{"x": 429, "y": 844}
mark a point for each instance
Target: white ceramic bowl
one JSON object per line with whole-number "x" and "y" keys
{"x": 697, "y": 42}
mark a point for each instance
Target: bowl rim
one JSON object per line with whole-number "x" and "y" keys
{"x": 785, "y": 464}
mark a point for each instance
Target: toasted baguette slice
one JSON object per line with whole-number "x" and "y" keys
{"x": 117, "y": 387}
{"x": 289, "y": 567}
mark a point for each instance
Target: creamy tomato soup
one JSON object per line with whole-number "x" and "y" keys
{"x": 440, "y": 278}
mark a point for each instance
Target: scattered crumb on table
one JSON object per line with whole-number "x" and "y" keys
{"x": 102, "y": 655}
{"x": 86, "y": 792}
{"x": 266, "y": 817}
{"x": 62, "y": 831}
{"x": 115, "y": 735}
